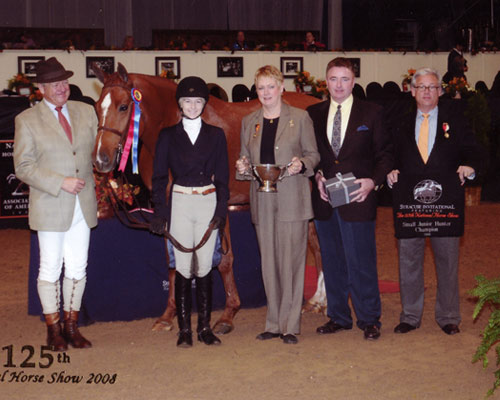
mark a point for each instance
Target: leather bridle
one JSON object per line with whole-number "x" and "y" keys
{"x": 121, "y": 134}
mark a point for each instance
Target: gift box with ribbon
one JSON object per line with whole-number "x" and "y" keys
{"x": 340, "y": 187}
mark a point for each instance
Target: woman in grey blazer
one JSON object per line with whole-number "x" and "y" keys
{"x": 280, "y": 134}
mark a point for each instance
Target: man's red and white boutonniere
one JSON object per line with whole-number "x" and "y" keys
{"x": 446, "y": 128}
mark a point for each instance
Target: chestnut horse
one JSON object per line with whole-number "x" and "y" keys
{"x": 159, "y": 109}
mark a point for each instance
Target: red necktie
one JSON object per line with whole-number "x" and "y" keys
{"x": 64, "y": 123}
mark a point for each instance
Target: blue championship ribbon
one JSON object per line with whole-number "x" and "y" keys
{"x": 137, "y": 97}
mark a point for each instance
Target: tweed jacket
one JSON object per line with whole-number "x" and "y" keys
{"x": 365, "y": 152}
{"x": 294, "y": 137}
{"x": 43, "y": 157}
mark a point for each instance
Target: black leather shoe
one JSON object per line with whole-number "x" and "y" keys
{"x": 267, "y": 335}
{"x": 372, "y": 332}
{"x": 207, "y": 336}
{"x": 404, "y": 327}
{"x": 331, "y": 327}
{"x": 185, "y": 338}
{"x": 290, "y": 339}
{"x": 450, "y": 329}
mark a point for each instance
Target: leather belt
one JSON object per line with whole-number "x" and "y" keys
{"x": 203, "y": 190}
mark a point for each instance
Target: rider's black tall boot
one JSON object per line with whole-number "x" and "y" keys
{"x": 183, "y": 305}
{"x": 204, "y": 304}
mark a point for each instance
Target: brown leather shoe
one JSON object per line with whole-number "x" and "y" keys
{"x": 331, "y": 327}
{"x": 55, "y": 339}
{"x": 71, "y": 332}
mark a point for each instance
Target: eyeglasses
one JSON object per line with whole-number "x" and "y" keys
{"x": 431, "y": 88}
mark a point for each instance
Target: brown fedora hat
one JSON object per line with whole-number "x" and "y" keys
{"x": 50, "y": 70}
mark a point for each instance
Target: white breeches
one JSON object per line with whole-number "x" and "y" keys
{"x": 190, "y": 218}
{"x": 71, "y": 247}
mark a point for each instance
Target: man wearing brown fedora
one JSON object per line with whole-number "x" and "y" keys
{"x": 52, "y": 154}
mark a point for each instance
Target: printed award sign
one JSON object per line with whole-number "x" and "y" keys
{"x": 428, "y": 206}
{"x": 14, "y": 194}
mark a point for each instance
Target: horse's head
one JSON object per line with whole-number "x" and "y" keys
{"x": 113, "y": 111}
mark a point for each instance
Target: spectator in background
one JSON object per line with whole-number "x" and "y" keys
{"x": 310, "y": 44}
{"x": 457, "y": 64}
{"x": 128, "y": 43}
{"x": 25, "y": 42}
{"x": 206, "y": 44}
{"x": 495, "y": 87}
{"x": 240, "y": 43}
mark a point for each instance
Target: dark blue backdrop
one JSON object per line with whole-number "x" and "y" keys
{"x": 127, "y": 276}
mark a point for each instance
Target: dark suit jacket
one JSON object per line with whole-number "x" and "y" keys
{"x": 447, "y": 154}
{"x": 364, "y": 152}
{"x": 191, "y": 165}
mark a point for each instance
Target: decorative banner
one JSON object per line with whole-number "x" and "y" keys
{"x": 428, "y": 206}
{"x": 132, "y": 140}
{"x": 14, "y": 194}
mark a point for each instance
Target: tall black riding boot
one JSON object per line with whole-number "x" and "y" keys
{"x": 204, "y": 304}
{"x": 183, "y": 305}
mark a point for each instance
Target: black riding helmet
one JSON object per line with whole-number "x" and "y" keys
{"x": 192, "y": 86}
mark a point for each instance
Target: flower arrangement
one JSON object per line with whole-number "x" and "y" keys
{"x": 302, "y": 80}
{"x": 105, "y": 198}
{"x": 457, "y": 88}
{"x": 407, "y": 79}
{"x": 409, "y": 74}
{"x": 19, "y": 82}
{"x": 168, "y": 74}
{"x": 319, "y": 89}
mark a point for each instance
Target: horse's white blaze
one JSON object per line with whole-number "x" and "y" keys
{"x": 105, "y": 107}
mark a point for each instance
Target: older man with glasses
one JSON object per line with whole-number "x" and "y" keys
{"x": 432, "y": 140}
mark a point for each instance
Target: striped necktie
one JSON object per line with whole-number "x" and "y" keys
{"x": 337, "y": 126}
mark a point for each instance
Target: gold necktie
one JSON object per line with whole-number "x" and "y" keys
{"x": 423, "y": 138}
{"x": 64, "y": 123}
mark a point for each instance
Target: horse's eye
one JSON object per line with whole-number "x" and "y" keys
{"x": 123, "y": 107}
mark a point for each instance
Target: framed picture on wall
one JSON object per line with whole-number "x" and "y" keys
{"x": 356, "y": 65}
{"x": 26, "y": 65}
{"x": 107, "y": 64}
{"x": 172, "y": 64}
{"x": 291, "y": 65}
{"x": 230, "y": 67}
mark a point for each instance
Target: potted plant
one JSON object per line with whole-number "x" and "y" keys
{"x": 487, "y": 293}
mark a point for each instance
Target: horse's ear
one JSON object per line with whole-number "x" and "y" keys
{"x": 99, "y": 73}
{"x": 122, "y": 72}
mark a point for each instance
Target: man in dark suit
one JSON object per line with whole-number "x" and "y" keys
{"x": 350, "y": 138}
{"x": 431, "y": 140}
